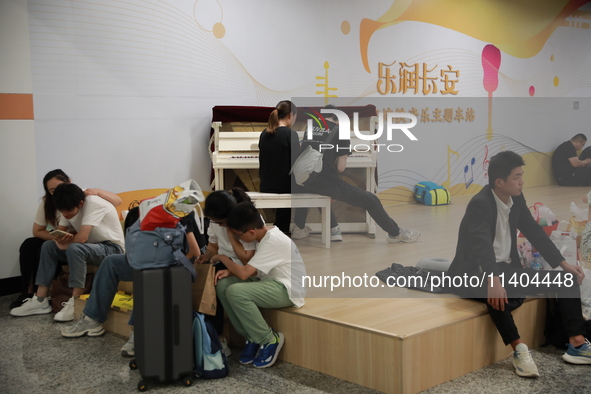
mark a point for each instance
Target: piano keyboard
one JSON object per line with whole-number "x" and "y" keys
{"x": 225, "y": 160}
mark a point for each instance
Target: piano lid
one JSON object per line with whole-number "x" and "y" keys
{"x": 235, "y": 113}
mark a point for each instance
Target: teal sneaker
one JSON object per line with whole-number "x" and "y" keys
{"x": 269, "y": 352}
{"x": 249, "y": 352}
{"x": 580, "y": 355}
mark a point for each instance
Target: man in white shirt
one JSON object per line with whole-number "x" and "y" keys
{"x": 97, "y": 234}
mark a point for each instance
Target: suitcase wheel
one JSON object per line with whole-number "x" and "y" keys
{"x": 187, "y": 381}
{"x": 132, "y": 364}
{"x": 142, "y": 386}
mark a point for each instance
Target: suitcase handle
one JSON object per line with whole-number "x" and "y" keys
{"x": 176, "y": 318}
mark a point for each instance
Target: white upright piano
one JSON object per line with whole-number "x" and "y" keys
{"x": 235, "y": 159}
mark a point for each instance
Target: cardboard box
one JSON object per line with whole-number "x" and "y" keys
{"x": 126, "y": 287}
{"x": 117, "y": 318}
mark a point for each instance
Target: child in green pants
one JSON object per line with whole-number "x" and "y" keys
{"x": 271, "y": 279}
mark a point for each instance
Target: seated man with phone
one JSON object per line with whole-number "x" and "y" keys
{"x": 97, "y": 234}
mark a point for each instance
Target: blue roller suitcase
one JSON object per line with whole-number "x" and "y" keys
{"x": 163, "y": 319}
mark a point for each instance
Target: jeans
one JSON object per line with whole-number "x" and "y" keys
{"x": 114, "y": 269}
{"x": 77, "y": 255}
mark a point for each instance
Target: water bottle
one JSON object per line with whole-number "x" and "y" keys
{"x": 537, "y": 262}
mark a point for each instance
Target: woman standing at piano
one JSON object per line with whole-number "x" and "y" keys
{"x": 279, "y": 147}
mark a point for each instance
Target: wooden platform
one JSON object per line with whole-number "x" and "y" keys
{"x": 397, "y": 340}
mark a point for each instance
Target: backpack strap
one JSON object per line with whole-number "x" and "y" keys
{"x": 181, "y": 258}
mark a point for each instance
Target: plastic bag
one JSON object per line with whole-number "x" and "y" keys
{"x": 544, "y": 217}
{"x": 579, "y": 213}
{"x": 566, "y": 242}
{"x": 309, "y": 161}
{"x": 167, "y": 209}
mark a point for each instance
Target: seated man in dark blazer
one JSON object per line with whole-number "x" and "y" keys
{"x": 487, "y": 249}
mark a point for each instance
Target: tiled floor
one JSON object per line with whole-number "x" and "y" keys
{"x": 35, "y": 358}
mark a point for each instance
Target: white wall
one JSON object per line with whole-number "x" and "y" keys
{"x": 124, "y": 91}
{"x": 18, "y": 177}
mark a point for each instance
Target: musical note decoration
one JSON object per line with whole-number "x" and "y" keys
{"x": 469, "y": 181}
{"x": 491, "y": 61}
{"x": 449, "y": 153}
{"x": 485, "y": 162}
{"x": 325, "y": 85}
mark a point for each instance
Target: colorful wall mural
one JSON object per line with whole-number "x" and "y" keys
{"x": 480, "y": 77}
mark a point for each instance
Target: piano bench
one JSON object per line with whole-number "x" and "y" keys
{"x": 303, "y": 200}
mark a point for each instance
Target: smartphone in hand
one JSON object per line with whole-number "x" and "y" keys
{"x": 58, "y": 233}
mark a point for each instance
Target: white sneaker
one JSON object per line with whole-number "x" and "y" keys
{"x": 405, "y": 235}
{"x": 32, "y": 306}
{"x": 335, "y": 234}
{"x": 67, "y": 312}
{"x": 128, "y": 350}
{"x": 523, "y": 363}
{"x": 225, "y": 347}
{"x": 83, "y": 326}
{"x": 300, "y": 233}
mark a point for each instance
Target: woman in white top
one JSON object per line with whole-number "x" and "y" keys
{"x": 46, "y": 219}
{"x": 218, "y": 205}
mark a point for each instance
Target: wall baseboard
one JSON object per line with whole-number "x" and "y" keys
{"x": 10, "y": 285}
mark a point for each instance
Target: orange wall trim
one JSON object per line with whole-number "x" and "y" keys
{"x": 16, "y": 106}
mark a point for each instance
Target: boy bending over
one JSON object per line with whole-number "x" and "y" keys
{"x": 271, "y": 279}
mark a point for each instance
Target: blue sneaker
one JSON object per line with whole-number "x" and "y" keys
{"x": 249, "y": 352}
{"x": 582, "y": 355}
{"x": 269, "y": 352}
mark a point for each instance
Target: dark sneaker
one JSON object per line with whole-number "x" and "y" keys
{"x": 268, "y": 353}
{"x": 249, "y": 352}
